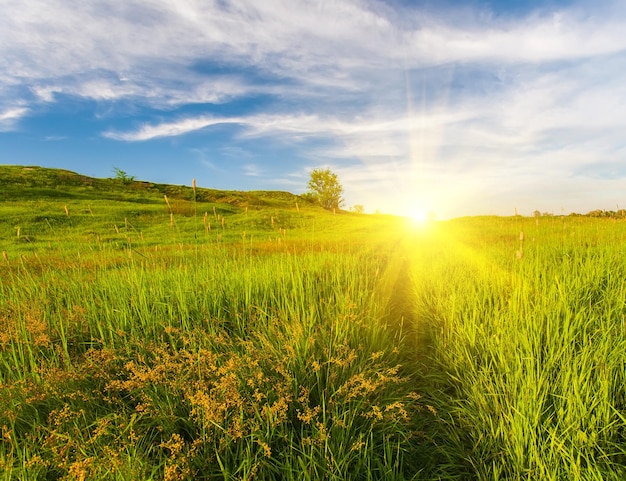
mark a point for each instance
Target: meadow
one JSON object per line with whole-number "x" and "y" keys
{"x": 163, "y": 332}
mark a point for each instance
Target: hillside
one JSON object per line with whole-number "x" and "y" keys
{"x": 51, "y": 209}
{"x": 27, "y": 183}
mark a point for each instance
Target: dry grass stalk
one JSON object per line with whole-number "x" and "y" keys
{"x": 167, "y": 202}
{"x": 195, "y": 207}
{"x": 67, "y": 212}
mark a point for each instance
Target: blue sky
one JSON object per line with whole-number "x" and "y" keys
{"x": 463, "y": 108}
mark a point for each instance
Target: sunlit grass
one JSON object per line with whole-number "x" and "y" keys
{"x": 526, "y": 352}
{"x": 167, "y": 352}
{"x": 291, "y": 343}
{"x": 194, "y": 367}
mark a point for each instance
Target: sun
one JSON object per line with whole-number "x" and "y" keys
{"x": 419, "y": 216}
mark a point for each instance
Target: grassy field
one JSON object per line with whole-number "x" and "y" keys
{"x": 161, "y": 332}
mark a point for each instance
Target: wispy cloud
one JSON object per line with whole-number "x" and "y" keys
{"x": 12, "y": 114}
{"x": 169, "y": 129}
{"x": 10, "y": 117}
{"x": 252, "y": 170}
{"x": 52, "y": 44}
{"x": 541, "y": 37}
{"x": 293, "y": 124}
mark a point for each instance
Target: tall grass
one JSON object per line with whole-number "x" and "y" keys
{"x": 218, "y": 363}
{"x": 528, "y": 355}
{"x": 319, "y": 347}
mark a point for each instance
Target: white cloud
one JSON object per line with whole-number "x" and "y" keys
{"x": 10, "y": 117}
{"x": 252, "y": 170}
{"x": 553, "y": 37}
{"x": 12, "y": 114}
{"x": 169, "y": 129}
{"x": 157, "y": 46}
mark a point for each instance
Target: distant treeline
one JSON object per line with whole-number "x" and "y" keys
{"x": 612, "y": 214}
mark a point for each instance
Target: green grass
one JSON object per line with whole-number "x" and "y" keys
{"x": 528, "y": 353}
{"x": 291, "y": 343}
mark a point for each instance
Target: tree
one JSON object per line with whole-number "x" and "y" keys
{"x": 325, "y": 187}
{"x": 358, "y": 208}
{"x": 123, "y": 176}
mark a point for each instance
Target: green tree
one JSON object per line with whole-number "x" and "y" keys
{"x": 325, "y": 187}
{"x": 123, "y": 176}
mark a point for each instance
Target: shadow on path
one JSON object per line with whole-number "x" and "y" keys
{"x": 440, "y": 447}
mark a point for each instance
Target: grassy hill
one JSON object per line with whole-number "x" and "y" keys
{"x": 23, "y": 183}
{"x": 56, "y": 208}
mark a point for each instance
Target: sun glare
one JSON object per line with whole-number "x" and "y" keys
{"x": 419, "y": 216}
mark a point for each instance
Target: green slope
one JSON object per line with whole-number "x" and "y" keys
{"x": 30, "y": 183}
{"x": 52, "y": 209}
